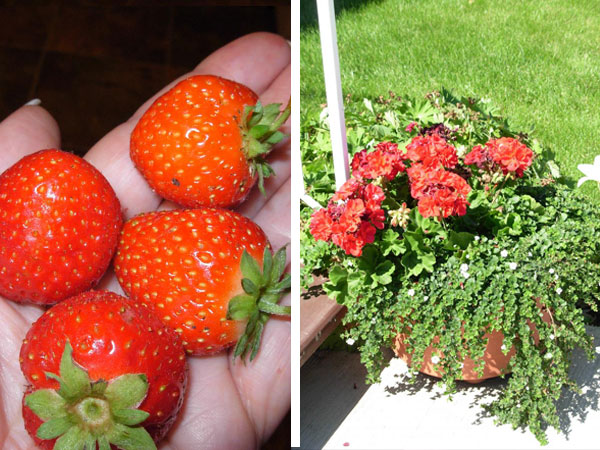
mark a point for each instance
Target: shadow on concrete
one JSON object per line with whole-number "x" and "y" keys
{"x": 576, "y": 406}
{"x": 325, "y": 401}
{"x": 572, "y": 406}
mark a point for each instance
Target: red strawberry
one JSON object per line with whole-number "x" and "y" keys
{"x": 59, "y": 226}
{"x": 200, "y": 270}
{"x": 203, "y": 143}
{"x": 101, "y": 368}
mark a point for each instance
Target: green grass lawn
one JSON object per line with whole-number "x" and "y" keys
{"x": 538, "y": 61}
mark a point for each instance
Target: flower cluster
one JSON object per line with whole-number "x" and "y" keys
{"x": 510, "y": 155}
{"x": 440, "y": 193}
{"x": 351, "y": 217}
{"x": 434, "y": 184}
{"x": 432, "y": 151}
{"x": 385, "y": 161}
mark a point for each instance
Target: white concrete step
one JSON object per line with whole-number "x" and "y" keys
{"x": 338, "y": 411}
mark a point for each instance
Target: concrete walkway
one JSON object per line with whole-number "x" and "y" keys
{"x": 338, "y": 411}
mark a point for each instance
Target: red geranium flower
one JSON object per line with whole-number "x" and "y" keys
{"x": 512, "y": 155}
{"x": 348, "y": 190}
{"x": 432, "y": 151}
{"x": 321, "y": 225}
{"x": 439, "y": 193}
{"x": 507, "y": 153}
{"x": 479, "y": 155}
{"x": 351, "y": 218}
{"x": 384, "y": 161}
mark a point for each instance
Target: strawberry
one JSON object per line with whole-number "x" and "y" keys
{"x": 59, "y": 227}
{"x": 203, "y": 143}
{"x": 201, "y": 272}
{"x": 101, "y": 369}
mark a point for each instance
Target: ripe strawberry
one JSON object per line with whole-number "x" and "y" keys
{"x": 200, "y": 270}
{"x": 203, "y": 143}
{"x": 59, "y": 226}
{"x": 101, "y": 369}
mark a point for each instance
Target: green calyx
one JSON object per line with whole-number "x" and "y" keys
{"x": 262, "y": 290}
{"x": 85, "y": 415}
{"x": 261, "y": 132}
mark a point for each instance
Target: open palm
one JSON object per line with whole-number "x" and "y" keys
{"x": 228, "y": 404}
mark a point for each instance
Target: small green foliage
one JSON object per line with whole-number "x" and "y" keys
{"x": 263, "y": 289}
{"x": 522, "y": 249}
{"x": 83, "y": 413}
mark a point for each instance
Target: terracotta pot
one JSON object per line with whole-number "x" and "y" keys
{"x": 496, "y": 362}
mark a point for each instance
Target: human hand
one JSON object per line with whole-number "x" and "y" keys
{"x": 228, "y": 404}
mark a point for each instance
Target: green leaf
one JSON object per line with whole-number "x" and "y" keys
{"x": 415, "y": 262}
{"x": 459, "y": 240}
{"x": 337, "y": 286}
{"x": 275, "y": 138}
{"x": 259, "y": 131}
{"x": 74, "y": 381}
{"x": 356, "y": 281}
{"x": 129, "y": 438}
{"x": 98, "y": 388}
{"x": 283, "y": 285}
{"x": 251, "y": 269}
{"x": 369, "y": 258}
{"x": 240, "y": 307}
{"x": 127, "y": 391}
{"x": 554, "y": 170}
{"x": 90, "y": 442}
{"x": 267, "y": 264}
{"x": 249, "y": 287}
{"x": 103, "y": 443}
{"x": 338, "y": 275}
{"x": 383, "y": 272}
{"x": 278, "y": 265}
{"x": 391, "y": 243}
{"x": 74, "y": 439}
{"x": 130, "y": 417}
{"x": 46, "y": 403}
{"x": 273, "y": 308}
{"x": 54, "y": 427}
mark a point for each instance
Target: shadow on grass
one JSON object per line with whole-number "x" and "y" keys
{"x": 308, "y": 10}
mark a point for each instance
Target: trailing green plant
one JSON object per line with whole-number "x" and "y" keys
{"x": 481, "y": 236}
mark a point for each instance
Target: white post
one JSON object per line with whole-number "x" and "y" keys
{"x": 333, "y": 87}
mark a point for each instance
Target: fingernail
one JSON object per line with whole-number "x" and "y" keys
{"x": 34, "y": 102}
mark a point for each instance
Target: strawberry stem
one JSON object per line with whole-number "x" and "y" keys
{"x": 262, "y": 290}
{"x": 83, "y": 413}
{"x": 260, "y": 128}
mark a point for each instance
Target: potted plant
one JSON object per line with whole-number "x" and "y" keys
{"x": 455, "y": 238}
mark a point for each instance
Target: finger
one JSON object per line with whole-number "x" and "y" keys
{"x": 27, "y": 130}
{"x": 211, "y": 410}
{"x": 274, "y": 216}
{"x": 264, "y": 383}
{"x": 111, "y": 154}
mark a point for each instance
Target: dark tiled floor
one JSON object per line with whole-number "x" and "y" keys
{"x": 94, "y": 63}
